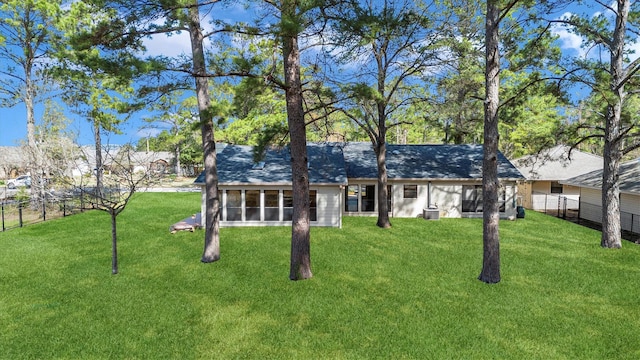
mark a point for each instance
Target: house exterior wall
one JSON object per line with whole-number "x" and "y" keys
{"x": 591, "y": 205}
{"x": 591, "y": 209}
{"x": 447, "y": 196}
{"x": 537, "y": 195}
{"x": 328, "y": 200}
{"x": 630, "y": 212}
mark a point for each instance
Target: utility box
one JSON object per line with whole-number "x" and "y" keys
{"x": 432, "y": 213}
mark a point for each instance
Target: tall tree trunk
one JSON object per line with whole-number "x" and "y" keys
{"x": 99, "y": 191}
{"x": 383, "y": 208}
{"x": 178, "y": 165}
{"x": 211, "y": 251}
{"x": 611, "y": 236}
{"x": 490, "y": 207}
{"x": 35, "y": 163}
{"x": 300, "y": 266}
{"x": 114, "y": 243}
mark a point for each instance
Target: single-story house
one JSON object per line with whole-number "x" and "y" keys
{"x": 590, "y": 185}
{"x": 343, "y": 181}
{"x": 13, "y": 161}
{"x": 544, "y": 173}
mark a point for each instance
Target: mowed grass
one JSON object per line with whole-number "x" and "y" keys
{"x": 406, "y": 292}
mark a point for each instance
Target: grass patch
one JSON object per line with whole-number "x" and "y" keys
{"x": 405, "y": 292}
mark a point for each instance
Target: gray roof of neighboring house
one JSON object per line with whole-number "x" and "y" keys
{"x": 12, "y": 156}
{"x": 629, "y": 178}
{"x": 557, "y": 164}
{"x": 235, "y": 165}
{"x": 424, "y": 162}
{"x": 333, "y": 163}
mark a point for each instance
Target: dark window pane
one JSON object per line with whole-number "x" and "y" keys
{"x": 368, "y": 197}
{"x": 556, "y": 187}
{"x": 288, "y": 205}
{"x": 252, "y": 207}
{"x": 271, "y": 207}
{"x": 313, "y": 205}
{"x": 234, "y": 205}
{"x": 411, "y": 191}
{"x": 351, "y": 198}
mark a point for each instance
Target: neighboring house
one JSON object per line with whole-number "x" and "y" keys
{"x": 591, "y": 195}
{"x": 343, "y": 181}
{"x": 13, "y": 161}
{"x": 113, "y": 156}
{"x": 544, "y": 173}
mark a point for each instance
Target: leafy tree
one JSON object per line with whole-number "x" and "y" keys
{"x": 132, "y": 21}
{"x": 180, "y": 116}
{"x": 55, "y": 142}
{"x": 400, "y": 40}
{"x": 613, "y": 82}
{"x": 28, "y": 28}
{"x": 457, "y": 106}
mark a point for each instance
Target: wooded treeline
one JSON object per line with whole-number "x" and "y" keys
{"x": 267, "y": 72}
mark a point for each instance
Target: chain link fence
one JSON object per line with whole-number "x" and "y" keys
{"x": 21, "y": 210}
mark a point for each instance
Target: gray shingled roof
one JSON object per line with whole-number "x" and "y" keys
{"x": 424, "y": 162}
{"x": 235, "y": 166}
{"x": 555, "y": 164}
{"x": 333, "y": 163}
{"x": 629, "y": 178}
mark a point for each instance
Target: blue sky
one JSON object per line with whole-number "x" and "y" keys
{"x": 13, "y": 120}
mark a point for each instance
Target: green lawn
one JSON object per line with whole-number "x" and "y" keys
{"x": 406, "y": 292}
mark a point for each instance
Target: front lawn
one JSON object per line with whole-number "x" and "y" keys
{"x": 405, "y": 292}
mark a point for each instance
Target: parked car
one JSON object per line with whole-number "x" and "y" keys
{"x": 20, "y": 181}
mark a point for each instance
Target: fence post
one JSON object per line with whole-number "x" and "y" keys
{"x": 20, "y": 213}
{"x": 44, "y": 209}
{"x": 2, "y": 205}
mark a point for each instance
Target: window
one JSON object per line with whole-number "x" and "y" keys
{"x": 234, "y": 205}
{"x": 271, "y": 206}
{"x": 410, "y": 191}
{"x": 472, "y": 199}
{"x": 313, "y": 205}
{"x": 287, "y": 212}
{"x": 351, "y": 198}
{"x": 556, "y": 187}
{"x": 368, "y": 197}
{"x": 389, "y": 196}
{"x": 252, "y": 205}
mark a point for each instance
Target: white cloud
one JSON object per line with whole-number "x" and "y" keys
{"x": 165, "y": 45}
{"x": 569, "y": 41}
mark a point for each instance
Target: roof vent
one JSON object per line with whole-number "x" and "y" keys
{"x": 258, "y": 166}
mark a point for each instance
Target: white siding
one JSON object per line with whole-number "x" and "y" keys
{"x": 409, "y": 207}
{"x": 542, "y": 199}
{"x": 591, "y": 205}
{"x": 329, "y": 206}
{"x": 630, "y": 212}
{"x": 448, "y": 197}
